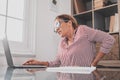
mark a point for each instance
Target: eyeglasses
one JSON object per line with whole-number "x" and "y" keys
{"x": 57, "y": 24}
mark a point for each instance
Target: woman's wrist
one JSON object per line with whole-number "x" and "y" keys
{"x": 44, "y": 63}
{"x": 99, "y": 56}
{"x": 94, "y": 64}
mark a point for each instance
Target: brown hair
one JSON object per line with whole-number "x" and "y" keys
{"x": 66, "y": 18}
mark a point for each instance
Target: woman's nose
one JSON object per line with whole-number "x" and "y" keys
{"x": 56, "y": 29}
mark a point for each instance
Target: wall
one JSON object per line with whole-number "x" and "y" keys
{"x": 46, "y": 39}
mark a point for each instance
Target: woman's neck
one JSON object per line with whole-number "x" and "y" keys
{"x": 70, "y": 37}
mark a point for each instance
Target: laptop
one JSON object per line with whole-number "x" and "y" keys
{"x": 9, "y": 56}
{"x": 8, "y": 74}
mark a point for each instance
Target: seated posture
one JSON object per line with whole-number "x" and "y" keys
{"x": 77, "y": 45}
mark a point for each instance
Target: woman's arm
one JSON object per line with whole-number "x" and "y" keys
{"x": 105, "y": 39}
{"x": 98, "y": 57}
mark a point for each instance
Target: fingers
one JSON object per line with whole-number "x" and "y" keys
{"x": 29, "y": 62}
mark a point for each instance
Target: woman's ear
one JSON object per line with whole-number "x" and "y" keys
{"x": 69, "y": 22}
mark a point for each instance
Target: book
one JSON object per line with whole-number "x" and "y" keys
{"x": 116, "y": 24}
{"x": 107, "y": 23}
{"x": 98, "y": 3}
{"x": 79, "y": 6}
{"x": 112, "y": 22}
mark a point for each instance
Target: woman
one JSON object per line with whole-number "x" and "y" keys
{"x": 77, "y": 46}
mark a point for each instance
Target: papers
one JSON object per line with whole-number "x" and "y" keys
{"x": 69, "y": 69}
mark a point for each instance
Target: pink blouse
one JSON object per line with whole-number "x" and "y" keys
{"x": 83, "y": 50}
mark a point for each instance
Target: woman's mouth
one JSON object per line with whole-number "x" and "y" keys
{"x": 59, "y": 32}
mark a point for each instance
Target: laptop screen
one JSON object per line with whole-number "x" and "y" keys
{"x": 7, "y": 51}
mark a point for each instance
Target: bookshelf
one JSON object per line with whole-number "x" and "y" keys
{"x": 101, "y": 15}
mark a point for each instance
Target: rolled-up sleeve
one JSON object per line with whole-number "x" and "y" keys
{"x": 104, "y": 38}
{"x": 55, "y": 63}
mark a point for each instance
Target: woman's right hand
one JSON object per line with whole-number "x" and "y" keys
{"x": 32, "y": 62}
{"x": 35, "y": 62}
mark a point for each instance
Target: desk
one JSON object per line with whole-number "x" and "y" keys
{"x": 42, "y": 74}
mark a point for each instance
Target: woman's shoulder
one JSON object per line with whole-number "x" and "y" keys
{"x": 82, "y": 27}
{"x": 80, "y": 31}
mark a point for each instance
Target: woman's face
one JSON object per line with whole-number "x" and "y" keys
{"x": 62, "y": 27}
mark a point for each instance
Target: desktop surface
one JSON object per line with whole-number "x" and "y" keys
{"x": 42, "y": 74}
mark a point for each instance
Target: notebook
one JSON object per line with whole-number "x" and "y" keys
{"x": 9, "y": 56}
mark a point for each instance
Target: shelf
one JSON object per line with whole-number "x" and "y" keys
{"x": 110, "y": 63}
{"x": 113, "y": 33}
{"x": 81, "y": 6}
{"x": 106, "y": 7}
{"x": 107, "y": 10}
{"x": 99, "y": 22}
{"x": 88, "y": 4}
{"x": 84, "y": 18}
{"x": 101, "y": 19}
{"x": 83, "y": 13}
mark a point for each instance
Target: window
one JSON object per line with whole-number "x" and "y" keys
{"x": 18, "y": 18}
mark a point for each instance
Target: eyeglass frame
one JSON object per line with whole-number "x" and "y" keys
{"x": 59, "y": 24}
